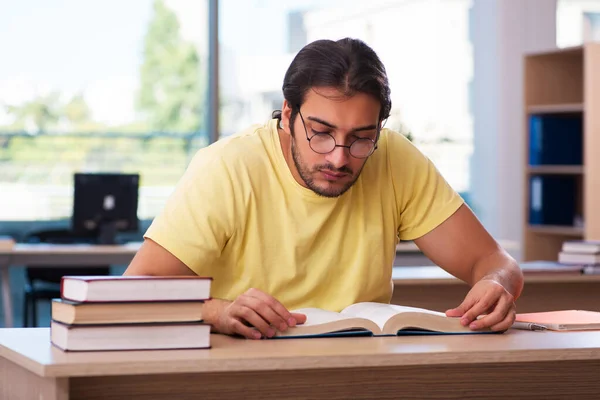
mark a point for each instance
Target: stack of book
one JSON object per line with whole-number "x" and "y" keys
{"x": 581, "y": 252}
{"x": 130, "y": 313}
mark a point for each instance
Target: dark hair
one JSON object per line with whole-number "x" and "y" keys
{"x": 349, "y": 65}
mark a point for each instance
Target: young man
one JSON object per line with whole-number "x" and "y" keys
{"x": 306, "y": 210}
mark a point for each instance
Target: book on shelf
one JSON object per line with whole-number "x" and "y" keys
{"x": 552, "y": 200}
{"x": 578, "y": 258}
{"x": 556, "y": 139}
{"x": 581, "y": 246}
{"x": 76, "y": 313}
{"x": 375, "y": 319}
{"x": 111, "y": 337}
{"x": 563, "y": 320}
{"x": 135, "y": 288}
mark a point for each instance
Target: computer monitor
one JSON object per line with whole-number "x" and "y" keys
{"x": 105, "y": 204}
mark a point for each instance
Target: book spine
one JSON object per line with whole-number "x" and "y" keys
{"x": 535, "y": 140}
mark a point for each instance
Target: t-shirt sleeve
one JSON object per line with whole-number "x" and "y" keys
{"x": 424, "y": 198}
{"x": 198, "y": 217}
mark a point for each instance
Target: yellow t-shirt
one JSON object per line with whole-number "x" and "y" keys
{"x": 239, "y": 216}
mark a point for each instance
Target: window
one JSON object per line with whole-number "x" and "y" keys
{"x": 98, "y": 86}
{"x": 424, "y": 45}
{"x": 577, "y": 22}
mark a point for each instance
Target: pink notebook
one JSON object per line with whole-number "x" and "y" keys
{"x": 565, "y": 320}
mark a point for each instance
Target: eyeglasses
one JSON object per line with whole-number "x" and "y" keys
{"x": 324, "y": 143}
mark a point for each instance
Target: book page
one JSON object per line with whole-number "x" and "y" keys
{"x": 380, "y": 313}
{"x": 317, "y": 316}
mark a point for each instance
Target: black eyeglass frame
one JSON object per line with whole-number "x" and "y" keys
{"x": 349, "y": 147}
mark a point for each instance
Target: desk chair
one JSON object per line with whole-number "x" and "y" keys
{"x": 43, "y": 283}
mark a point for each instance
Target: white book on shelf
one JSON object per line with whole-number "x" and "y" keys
{"x": 575, "y": 258}
{"x": 581, "y": 246}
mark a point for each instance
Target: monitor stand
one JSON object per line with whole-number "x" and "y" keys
{"x": 107, "y": 232}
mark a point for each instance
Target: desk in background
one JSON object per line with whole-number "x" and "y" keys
{"x": 64, "y": 255}
{"x": 545, "y": 365}
{"x": 86, "y": 255}
{"x": 435, "y": 289}
{"x": 408, "y": 254}
{"x": 427, "y": 287}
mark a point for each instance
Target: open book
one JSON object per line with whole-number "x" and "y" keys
{"x": 376, "y": 319}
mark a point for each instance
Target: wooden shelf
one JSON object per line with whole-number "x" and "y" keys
{"x": 556, "y": 230}
{"x": 556, "y": 169}
{"x": 555, "y": 108}
{"x": 563, "y": 82}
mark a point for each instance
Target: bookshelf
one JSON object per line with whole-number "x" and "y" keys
{"x": 561, "y": 85}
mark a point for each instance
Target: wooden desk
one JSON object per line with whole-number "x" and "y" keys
{"x": 68, "y": 255}
{"x": 409, "y": 254}
{"x": 435, "y": 289}
{"x": 519, "y": 364}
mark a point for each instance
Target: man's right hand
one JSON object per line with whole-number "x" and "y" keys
{"x": 253, "y": 309}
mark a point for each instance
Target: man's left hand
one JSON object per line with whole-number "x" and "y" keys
{"x": 489, "y": 299}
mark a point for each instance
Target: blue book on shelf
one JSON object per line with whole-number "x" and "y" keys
{"x": 556, "y": 139}
{"x": 552, "y": 199}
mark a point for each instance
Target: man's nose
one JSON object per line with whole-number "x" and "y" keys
{"x": 339, "y": 157}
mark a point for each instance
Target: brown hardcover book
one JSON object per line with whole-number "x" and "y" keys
{"x": 76, "y": 313}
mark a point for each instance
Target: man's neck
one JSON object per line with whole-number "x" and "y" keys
{"x": 286, "y": 148}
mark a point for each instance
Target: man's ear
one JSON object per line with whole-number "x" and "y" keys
{"x": 286, "y": 114}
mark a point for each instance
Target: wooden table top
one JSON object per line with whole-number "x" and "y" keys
{"x": 31, "y": 349}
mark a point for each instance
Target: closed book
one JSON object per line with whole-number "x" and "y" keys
{"x": 76, "y": 313}
{"x": 574, "y": 258}
{"x": 563, "y": 320}
{"x": 129, "y": 336}
{"x": 556, "y": 139}
{"x": 581, "y": 246}
{"x": 552, "y": 200}
{"x": 135, "y": 288}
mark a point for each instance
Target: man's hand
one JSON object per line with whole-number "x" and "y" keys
{"x": 486, "y": 297}
{"x": 255, "y": 309}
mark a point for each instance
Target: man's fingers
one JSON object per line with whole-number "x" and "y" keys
{"x": 249, "y": 315}
{"x": 496, "y": 316}
{"x": 507, "y": 322}
{"x": 246, "y": 331}
{"x": 274, "y": 304}
{"x": 459, "y": 311}
{"x": 300, "y": 318}
{"x": 265, "y": 311}
{"x": 478, "y": 309}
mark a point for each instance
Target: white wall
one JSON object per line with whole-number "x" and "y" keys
{"x": 502, "y": 32}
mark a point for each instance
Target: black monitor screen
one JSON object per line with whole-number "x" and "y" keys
{"x": 105, "y": 204}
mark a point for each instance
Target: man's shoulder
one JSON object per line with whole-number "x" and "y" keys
{"x": 396, "y": 145}
{"x": 247, "y": 143}
{"x": 241, "y": 151}
{"x": 395, "y": 139}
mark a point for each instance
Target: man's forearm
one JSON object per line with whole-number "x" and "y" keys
{"x": 502, "y": 268}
